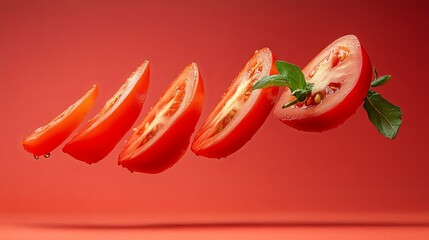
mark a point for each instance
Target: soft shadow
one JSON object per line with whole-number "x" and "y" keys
{"x": 210, "y": 225}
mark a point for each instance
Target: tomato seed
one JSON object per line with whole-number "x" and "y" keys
{"x": 342, "y": 55}
{"x": 229, "y": 117}
{"x": 312, "y": 73}
{"x": 309, "y": 101}
{"x": 247, "y": 95}
{"x": 225, "y": 121}
{"x": 332, "y": 88}
{"x": 335, "y": 59}
{"x": 317, "y": 98}
{"x": 248, "y": 92}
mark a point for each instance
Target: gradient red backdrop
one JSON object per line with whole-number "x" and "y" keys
{"x": 51, "y": 52}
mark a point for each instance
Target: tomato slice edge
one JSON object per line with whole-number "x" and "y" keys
{"x": 153, "y": 119}
{"x": 48, "y": 137}
{"x": 205, "y": 143}
{"x": 173, "y": 127}
{"x": 102, "y": 133}
{"x": 340, "y": 105}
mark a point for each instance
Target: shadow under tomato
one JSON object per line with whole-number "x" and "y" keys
{"x": 221, "y": 225}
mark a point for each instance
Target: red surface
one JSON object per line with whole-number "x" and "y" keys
{"x": 52, "y": 51}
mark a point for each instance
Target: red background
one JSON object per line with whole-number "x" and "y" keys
{"x": 51, "y": 52}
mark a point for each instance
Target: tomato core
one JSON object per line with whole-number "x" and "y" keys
{"x": 163, "y": 136}
{"x": 316, "y": 76}
{"x": 340, "y": 76}
{"x": 240, "y": 112}
{"x": 151, "y": 127}
{"x": 241, "y": 94}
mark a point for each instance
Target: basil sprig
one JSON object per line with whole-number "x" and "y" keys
{"x": 289, "y": 76}
{"x": 385, "y": 116}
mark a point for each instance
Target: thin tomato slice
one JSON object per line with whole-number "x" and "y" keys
{"x": 47, "y": 138}
{"x": 101, "y": 134}
{"x": 240, "y": 112}
{"x": 341, "y": 75}
{"x": 164, "y": 135}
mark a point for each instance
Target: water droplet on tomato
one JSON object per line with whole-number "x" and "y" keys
{"x": 36, "y": 157}
{"x": 47, "y": 155}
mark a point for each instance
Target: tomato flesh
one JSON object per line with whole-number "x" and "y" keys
{"x": 47, "y": 138}
{"x": 341, "y": 76}
{"x": 164, "y": 135}
{"x": 101, "y": 134}
{"x": 240, "y": 112}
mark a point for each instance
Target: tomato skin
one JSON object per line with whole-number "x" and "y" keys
{"x": 171, "y": 145}
{"x": 47, "y": 138}
{"x": 254, "y": 117}
{"x": 101, "y": 134}
{"x": 336, "y": 109}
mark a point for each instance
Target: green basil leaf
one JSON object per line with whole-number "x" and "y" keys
{"x": 293, "y": 74}
{"x": 385, "y": 116}
{"x": 290, "y": 103}
{"x": 300, "y": 94}
{"x": 375, "y": 72}
{"x": 380, "y": 81}
{"x": 269, "y": 81}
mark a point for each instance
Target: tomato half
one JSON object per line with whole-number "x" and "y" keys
{"x": 101, "y": 134}
{"x": 47, "y": 138}
{"x": 341, "y": 75}
{"x": 240, "y": 112}
{"x": 164, "y": 135}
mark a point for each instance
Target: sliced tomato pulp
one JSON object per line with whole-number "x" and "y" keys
{"x": 101, "y": 134}
{"x": 240, "y": 112}
{"x": 341, "y": 76}
{"x": 47, "y": 138}
{"x": 164, "y": 135}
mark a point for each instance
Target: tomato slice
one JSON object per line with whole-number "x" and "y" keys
{"x": 101, "y": 134}
{"x": 341, "y": 74}
{"x": 47, "y": 138}
{"x": 164, "y": 135}
{"x": 240, "y": 112}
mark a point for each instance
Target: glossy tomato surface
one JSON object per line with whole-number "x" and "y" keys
{"x": 240, "y": 112}
{"x": 164, "y": 135}
{"x": 47, "y": 138}
{"x": 341, "y": 75}
{"x": 101, "y": 134}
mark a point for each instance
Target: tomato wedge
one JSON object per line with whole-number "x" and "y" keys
{"x": 101, "y": 134}
{"x": 240, "y": 112}
{"x": 47, "y": 138}
{"x": 164, "y": 135}
{"x": 341, "y": 75}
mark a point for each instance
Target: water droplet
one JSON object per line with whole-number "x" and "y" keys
{"x": 36, "y": 157}
{"x": 47, "y": 155}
